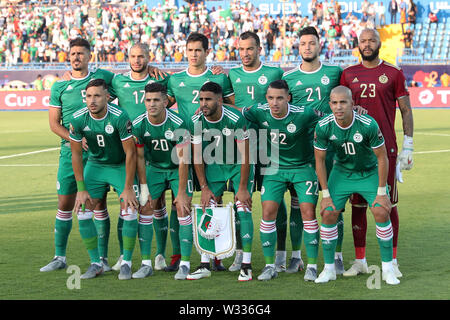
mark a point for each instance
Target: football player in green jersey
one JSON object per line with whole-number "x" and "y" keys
{"x": 184, "y": 86}
{"x": 216, "y": 163}
{"x": 129, "y": 88}
{"x": 112, "y": 162}
{"x": 250, "y": 81}
{"x": 164, "y": 134}
{"x": 310, "y": 85}
{"x": 361, "y": 167}
{"x": 183, "y": 89}
{"x": 67, "y": 97}
{"x": 289, "y": 135}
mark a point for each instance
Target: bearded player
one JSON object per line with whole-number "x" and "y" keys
{"x": 378, "y": 86}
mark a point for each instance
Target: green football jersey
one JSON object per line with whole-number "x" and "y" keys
{"x": 131, "y": 94}
{"x": 250, "y": 87}
{"x": 219, "y": 138}
{"x": 160, "y": 140}
{"x": 104, "y": 136}
{"x": 70, "y": 95}
{"x": 185, "y": 88}
{"x": 292, "y": 135}
{"x": 312, "y": 89}
{"x": 353, "y": 145}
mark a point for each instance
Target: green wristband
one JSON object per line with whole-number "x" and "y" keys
{"x": 81, "y": 186}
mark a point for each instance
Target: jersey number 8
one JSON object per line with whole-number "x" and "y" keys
{"x": 100, "y": 140}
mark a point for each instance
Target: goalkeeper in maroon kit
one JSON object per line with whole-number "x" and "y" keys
{"x": 378, "y": 86}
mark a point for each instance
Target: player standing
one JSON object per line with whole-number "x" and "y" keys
{"x": 184, "y": 89}
{"x": 112, "y": 162}
{"x": 361, "y": 167}
{"x": 310, "y": 85}
{"x": 163, "y": 132}
{"x": 288, "y": 132}
{"x": 225, "y": 129}
{"x": 67, "y": 97}
{"x": 250, "y": 81}
{"x": 129, "y": 88}
{"x": 377, "y": 86}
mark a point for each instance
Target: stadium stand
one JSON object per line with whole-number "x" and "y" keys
{"x": 35, "y": 34}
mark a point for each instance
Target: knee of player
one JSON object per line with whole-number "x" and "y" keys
{"x": 380, "y": 214}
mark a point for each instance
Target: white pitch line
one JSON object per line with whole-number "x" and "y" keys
{"x": 28, "y": 153}
{"x": 433, "y": 134}
{"x": 433, "y": 151}
{"x": 29, "y": 165}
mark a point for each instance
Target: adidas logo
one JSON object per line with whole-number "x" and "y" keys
{"x": 69, "y": 87}
{"x": 87, "y": 128}
{"x": 146, "y": 134}
{"x": 355, "y": 80}
{"x": 292, "y": 224}
{"x": 127, "y": 85}
{"x": 141, "y": 239}
{"x": 238, "y": 80}
{"x": 265, "y": 124}
{"x": 182, "y": 84}
{"x": 333, "y": 137}
{"x": 313, "y": 242}
{"x": 186, "y": 240}
{"x": 266, "y": 244}
{"x": 299, "y": 83}
{"x": 247, "y": 236}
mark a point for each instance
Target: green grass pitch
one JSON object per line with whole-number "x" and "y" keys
{"x": 28, "y": 206}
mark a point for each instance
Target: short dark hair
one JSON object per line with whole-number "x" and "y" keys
{"x": 249, "y": 34}
{"x": 308, "y": 30}
{"x": 97, "y": 83}
{"x": 156, "y": 87}
{"x": 279, "y": 84}
{"x": 212, "y": 87}
{"x": 195, "y": 36}
{"x": 80, "y": 42}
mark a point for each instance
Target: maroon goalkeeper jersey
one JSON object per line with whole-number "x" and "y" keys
{"x": 377, "y": 90}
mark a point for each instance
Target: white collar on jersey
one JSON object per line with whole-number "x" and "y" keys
{"x": 288, "y": 111}
{"x": 221, "y": 117}
{"x": 351, "y": 124}
{"x": 146, "y": 77}
{"x": 157, "y": 125}
{"x": 106, "y": 114}
{"x": 253, "y": 71}
{"x": 78, "y": 79}
{"x": 310, "y": 72}
{"x": 196, "y": 75}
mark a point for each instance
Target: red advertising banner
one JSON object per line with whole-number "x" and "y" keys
{"x": 24, "y": 100}
{"x": 433, "y": 97}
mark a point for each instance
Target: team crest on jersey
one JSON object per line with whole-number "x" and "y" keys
{"x": 357, "y": 137}
{"x": 226, "y": 132}
{"x": 325, "y": 80}
{"x": 291, "y": 127}
{"x": 262, "y": 79}
{"x": 71, "y": 129}
{"x": 168, "y": 134}
{"x": 109, "y": 129}
{"x": 383, "y": 79}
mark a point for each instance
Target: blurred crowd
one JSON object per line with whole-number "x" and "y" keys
{"x": 41, "y": 33}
